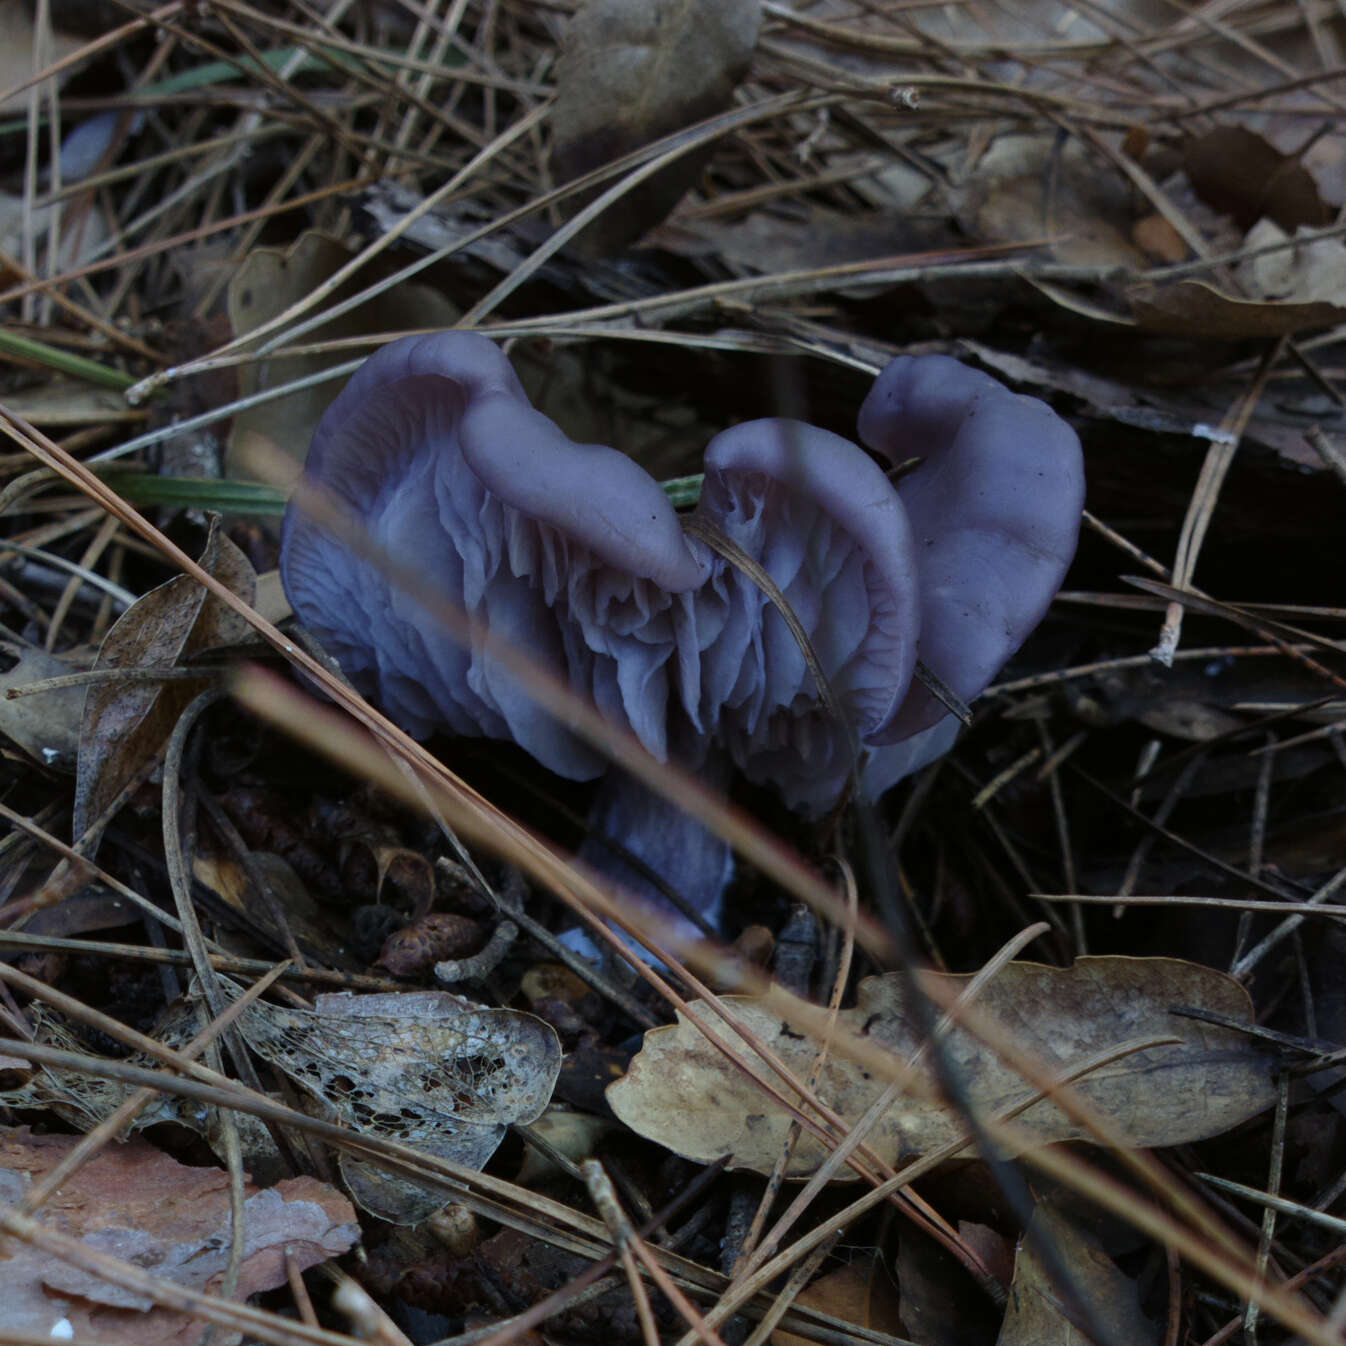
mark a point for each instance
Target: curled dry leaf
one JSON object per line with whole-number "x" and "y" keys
{"x": 138, "y": 1204}
{"x": 682, "y": 1092}
{"x": 634, "y": 70}
{"x": 1238, "y": 172}
{"x": 1036, "y": 1314}
{"x": 127, "y": 723}
{"x": 1191, "y": 308}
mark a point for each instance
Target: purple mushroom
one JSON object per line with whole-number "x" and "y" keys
{"x": 826, "y": 526}
{"x": 572, "y": 553}
{"x": 995, "y": 508}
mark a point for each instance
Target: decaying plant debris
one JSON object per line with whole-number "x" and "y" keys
{"x": 300, "y": 1043}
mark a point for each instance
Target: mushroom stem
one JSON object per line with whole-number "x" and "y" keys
{"x": 659, "y": 855}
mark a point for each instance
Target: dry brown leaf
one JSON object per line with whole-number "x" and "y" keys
{"x": 939, "y": 1301}
{"x": 61, "y": 403}
{"x": 45, "y": 725}
{"x": 632, "y": 71}
{"x": 16, "y": 51}
{"x": 1038, "y": 1316}
{"x": 138, "y": 1204}
{"x": 1234, "y": 170}
{"x": 126, "y": 723}
{"x": 322, "y": 932}
{"x": 861, "y": 1292}
{"x": 1159, "y": 240}
{"x": 681, "y": 1092}
{"x": 1028, "y": 187}
{"x": 1194, "y": 309}
{"x": 269, "y": 282}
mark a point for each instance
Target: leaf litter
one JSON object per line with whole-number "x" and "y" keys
{"x": 427, "y": 1069}
{"x": 1205, "y": 1084}
{"x": 136, "y": 1203}
{"x": 126, "y": 725}
{"x": 1121, "y": 212}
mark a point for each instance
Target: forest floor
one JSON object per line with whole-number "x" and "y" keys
{"x": 1121, "y": 884}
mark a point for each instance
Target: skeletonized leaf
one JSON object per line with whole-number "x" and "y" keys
{"x": 126, "y": 723}
{"x": 422, "y": 1067}
{"x": 682, "y": 1092}
{"x": 632, "y": 71}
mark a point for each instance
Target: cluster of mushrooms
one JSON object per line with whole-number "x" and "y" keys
{"x": 573, "y": 554}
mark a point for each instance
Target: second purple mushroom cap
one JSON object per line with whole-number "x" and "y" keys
{"x": 572, "y": 554}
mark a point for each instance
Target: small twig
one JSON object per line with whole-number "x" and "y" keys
{"x": 1243, "y": 967}
{"x": 1328, "y": 450}
{"x": 799, "y": 1277}
{"x": 605, "y": 1201}
{"x": 1269, "y": 1213}
{"x": 1201, "y": 508}
{"x": 480, "y": 965}
{"x": 93, "y": 676}
{"x": 630, "y": 1244}
{"x": 1277, "y": 1203}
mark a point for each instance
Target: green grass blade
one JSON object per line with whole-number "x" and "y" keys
{"x": 683, "y": 491}
{"x": 229, "y": 497}
{"x": 63, "y": 361}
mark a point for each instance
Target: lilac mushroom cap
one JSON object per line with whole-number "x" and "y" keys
{"x": 825, "y": 524}
{"x": 568, "y": 551}
{"x": 573, "y": 554}
{"x": 995, "y": 509}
